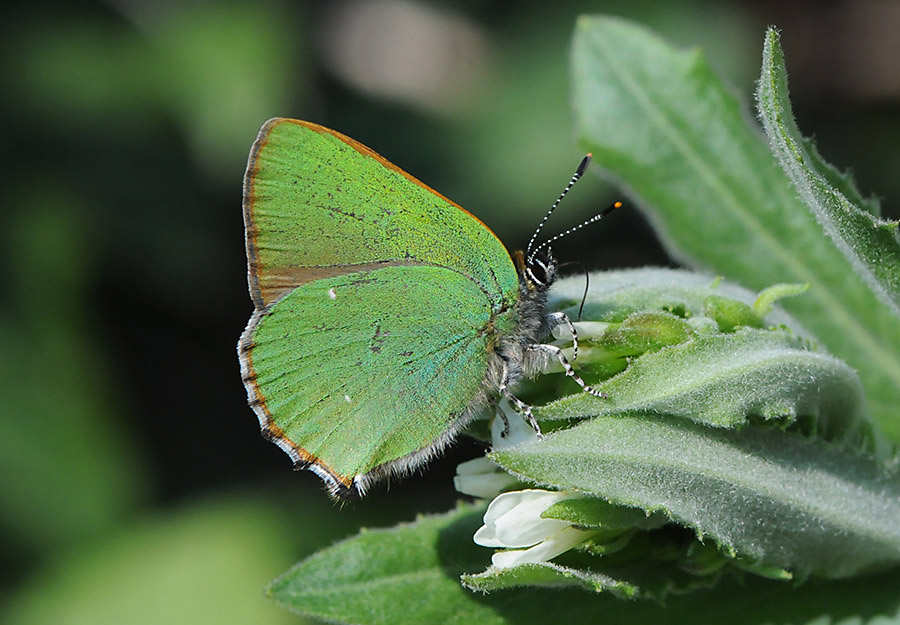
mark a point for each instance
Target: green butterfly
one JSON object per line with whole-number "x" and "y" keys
{"x": 386, "y": 315}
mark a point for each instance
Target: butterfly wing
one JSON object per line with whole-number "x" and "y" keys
{"x": 378, "y": 302}
{"x": 318, "y": 204}
{"x": 369, "y": 372}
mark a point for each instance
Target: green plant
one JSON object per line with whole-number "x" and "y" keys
{"x": 734, "y": 447}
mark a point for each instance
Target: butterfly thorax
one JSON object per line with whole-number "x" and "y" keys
{"x": 513, "y": 358}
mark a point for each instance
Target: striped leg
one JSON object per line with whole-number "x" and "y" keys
{"x": 523, "y": 408}
{"x": 559, "y": 318}
{"x": 557, "y": 353}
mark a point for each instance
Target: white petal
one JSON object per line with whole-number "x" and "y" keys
{"x": 557, "y": 544}
{"x": 511, "y": 558}
{"x": 513, "y": 534}
{"x": 477, "y": 465}
{"x": 585, "y": 329}
{"x": 516, "y": 516}
{"x": 486, "y": 537}
{"x": 519, "y": 430}
{"x": 483, "y": 485}
{"x": 502, "y": 504}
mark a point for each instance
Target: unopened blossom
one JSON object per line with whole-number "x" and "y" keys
{"x": 513, "y": 521}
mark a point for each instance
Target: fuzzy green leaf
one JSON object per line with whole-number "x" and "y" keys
{"x": 767, "y": 297}
{"x": 869, "y": 244}
{"x": 729, "y": 314}
{"x": 548, "y": 575}
{"x": 716, "y": 378}
{"x": 365, "y": 580}
{"x": 775, "y": 498}
{"x": 614, "y": 295}
{"x": 381, "y": 576}
{"x": 596, "y": 512}
{"x": 665, "y": 126}
{"x": 725, "y": 379}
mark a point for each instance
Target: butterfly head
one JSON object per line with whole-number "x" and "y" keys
{"x": 539, "y": 269}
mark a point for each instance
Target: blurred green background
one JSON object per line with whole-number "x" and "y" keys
{"x": 134, "y": 485}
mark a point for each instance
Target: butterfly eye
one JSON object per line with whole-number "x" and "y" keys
{"x": 541, "y": 268}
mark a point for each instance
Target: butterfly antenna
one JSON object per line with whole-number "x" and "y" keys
{"x": 606, "y": 211}
{"x": 578, "y": 174}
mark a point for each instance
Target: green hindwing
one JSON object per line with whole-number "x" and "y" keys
{"x": 354, "y": 381}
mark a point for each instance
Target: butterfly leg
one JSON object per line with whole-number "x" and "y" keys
{"x": 523, "y": 408}
{"x": 557, "y": 353}
{"x": 559, "y": 318}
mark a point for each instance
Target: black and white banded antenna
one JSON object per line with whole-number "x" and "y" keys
{"x": 578, "y": 174}
{"x": 531, "y": 253}
{"x": 606, "y": 211}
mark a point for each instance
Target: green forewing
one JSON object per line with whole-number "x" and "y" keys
{"x": 366, "y": 368}
{"x": 318, "y": 202}
{"x": 378, "y": 303}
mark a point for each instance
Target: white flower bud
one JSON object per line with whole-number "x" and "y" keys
{"x": 513, "y": 521}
